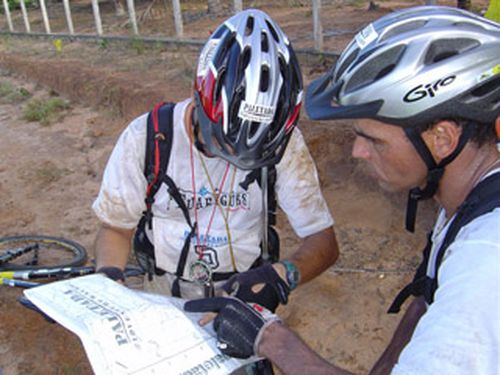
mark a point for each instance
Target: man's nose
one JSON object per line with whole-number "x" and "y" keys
{"x": 360, "y": 149}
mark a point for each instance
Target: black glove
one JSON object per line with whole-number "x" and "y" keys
{"x": 274, "y": 292}
{"x": 237, "y": 323}
{"x": 113, "y": 273}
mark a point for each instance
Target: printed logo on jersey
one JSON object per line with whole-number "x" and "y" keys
{"x": 232, "y": 201}
{"x": 208, "y": 255}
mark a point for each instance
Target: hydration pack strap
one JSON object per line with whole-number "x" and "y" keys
{"x": 417, "y": 286}
{"x": 485, "y": 197}
{"x": 272, "y": 235}
{"x": 158, "y": 146}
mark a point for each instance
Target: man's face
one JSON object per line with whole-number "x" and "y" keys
{"x": 391, "y": 158}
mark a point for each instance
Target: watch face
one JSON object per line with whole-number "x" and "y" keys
{"x": 292, "y": 274}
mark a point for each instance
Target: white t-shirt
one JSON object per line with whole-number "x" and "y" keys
{"x": 460, "y": 331}
{"x": 120, "y": 202}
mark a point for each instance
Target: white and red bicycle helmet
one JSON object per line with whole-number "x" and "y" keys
{"x": 248, "y": 91}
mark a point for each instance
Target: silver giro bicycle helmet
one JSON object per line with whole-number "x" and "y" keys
{"x": 413, "y": 67}
{"x": 248, "y": 91}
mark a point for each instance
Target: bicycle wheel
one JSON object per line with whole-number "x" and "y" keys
{"x": 29, "y": 252}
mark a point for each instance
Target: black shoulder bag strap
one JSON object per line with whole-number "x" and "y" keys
{"x": 158, "y": 146}
{"x": 272, "y": 204}
{"x": 158, "y": 149}
{"x": 485, "y": 197}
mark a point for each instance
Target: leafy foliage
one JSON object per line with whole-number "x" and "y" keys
{"x": 16, "y": 4}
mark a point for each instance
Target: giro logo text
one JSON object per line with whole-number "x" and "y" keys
{"x": 428, "y": 90}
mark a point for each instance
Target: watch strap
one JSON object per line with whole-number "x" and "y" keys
{"x": 292, "y": 274}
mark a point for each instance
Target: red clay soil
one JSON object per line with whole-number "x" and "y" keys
{"x": 49, "y": 176}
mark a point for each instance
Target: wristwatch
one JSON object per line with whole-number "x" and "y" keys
{"x": 292, "y": 274}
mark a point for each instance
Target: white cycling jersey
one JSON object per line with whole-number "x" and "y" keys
{"x": 460, "y": 332}
{"x": 201, "y": 181}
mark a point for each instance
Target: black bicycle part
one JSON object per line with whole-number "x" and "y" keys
{"x": 19, "y": 253}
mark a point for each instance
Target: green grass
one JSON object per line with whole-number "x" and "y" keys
{"x": 11, "y": 94}
{"x": 45, "y": 111}
{"x": 137, "y": 45}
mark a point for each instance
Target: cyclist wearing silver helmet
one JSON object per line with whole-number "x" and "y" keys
{"x": 424, "y": 83}
{"x": 246, "y": 101}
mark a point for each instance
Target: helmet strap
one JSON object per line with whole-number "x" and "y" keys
{"x": 196, "y": 131}
{"x": 434, "y": 171}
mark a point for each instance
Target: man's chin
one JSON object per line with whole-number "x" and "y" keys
{"x": 387, "y": 187}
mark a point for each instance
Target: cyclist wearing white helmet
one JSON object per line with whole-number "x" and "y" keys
{"x": 246, "y": 101}
{"x": 424, "y": 83}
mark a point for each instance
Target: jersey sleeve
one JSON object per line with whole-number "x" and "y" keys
{"x": 460, "y": 332}
{"x": 298, "y": 190}
{"x": 120, "y": 201}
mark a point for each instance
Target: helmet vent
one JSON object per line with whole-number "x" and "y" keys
{"x": 403, "y": 28}
{"x": 445, "y": 48}
{"x": 264, "y": 44}
{"x": 264, "y": 78}
{"x": 349, "y": 59}
{"x": 273, "y": 31}
{"x": 245, "y": 60}
{"x": 249, "y": 26}
{"x": 485, "y": 97}
{"x": 218, "y": 87}
{"x": 479, "y": 28}
{"x": 253, "y": 129}
{"x": 379, "y": 67}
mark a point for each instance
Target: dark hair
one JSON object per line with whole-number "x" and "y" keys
{"x": 481, "y": 133}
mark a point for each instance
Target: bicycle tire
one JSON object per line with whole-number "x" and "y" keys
{"x": 64, "y": 252}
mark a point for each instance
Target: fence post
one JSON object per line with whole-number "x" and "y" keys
{"x": 69, "y": 21}
{"x": 132, "y": 17}
{"x": 45, "y": 16}
{"x": 318, "y": 29}
{"x": 25, "y": 16}
{"x": 238, "y": 6}
{"x": 179, "y": 27}
{"x": 7, "y": 15}
{"x": 97, "y": 17}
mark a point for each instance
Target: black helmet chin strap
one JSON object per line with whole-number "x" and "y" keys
{"x": 434, "y": 174}
{"x": 196, "y": 129}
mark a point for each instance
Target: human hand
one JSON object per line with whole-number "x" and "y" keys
{"x": 262, "y": 285}
{"x": 239, "y": 325}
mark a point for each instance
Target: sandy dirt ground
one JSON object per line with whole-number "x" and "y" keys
{"x": 50, "y": 174}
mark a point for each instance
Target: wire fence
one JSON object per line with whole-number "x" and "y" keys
{"x": 55, "y": 18}
{"x": 182, "y": 23}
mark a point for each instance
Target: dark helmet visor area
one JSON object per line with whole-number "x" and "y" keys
{"x": 237, "y": 152}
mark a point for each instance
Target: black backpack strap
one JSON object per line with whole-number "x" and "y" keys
{"x": 484, "y": 198}
{"x": 417, "y": 285}
{"x": 158, "y": 146}
{"x": 158, "y": 149}
{"x": 272, "y": 204}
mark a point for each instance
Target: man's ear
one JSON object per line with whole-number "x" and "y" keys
{"x": 442, "y": 139}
